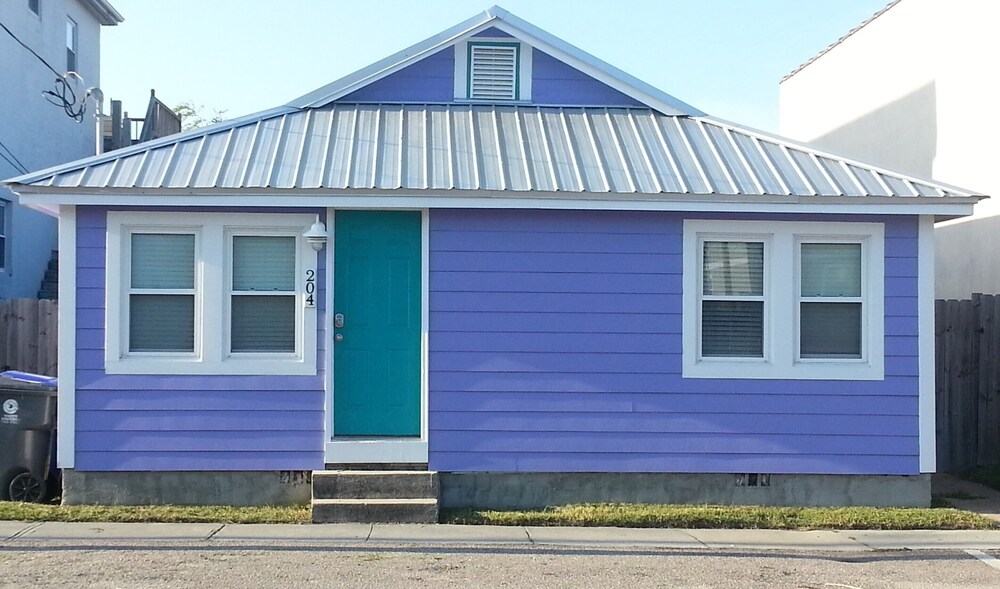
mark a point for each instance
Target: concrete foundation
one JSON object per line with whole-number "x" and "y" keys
{"x": 289, "y": 487}
{"x": 531, "y": 490}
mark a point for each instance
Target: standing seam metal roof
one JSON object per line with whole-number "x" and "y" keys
{"x": 483, "y": 148}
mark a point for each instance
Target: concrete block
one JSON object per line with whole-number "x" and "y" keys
{"x": 240, "y": 488}
{"x": 348, "y": 484}
{"x": 777, "y": 540}
{"x": 521, "y": 490}
{"x": 598, "y": 536}
{"x": 927, "y": 540}
{"x": 292, "y": 532}
{"x": 120, "y": 531}
{"x": 9, "y": 529}
{"x": 422, "y": 511}
{"x": 448, "y": 534}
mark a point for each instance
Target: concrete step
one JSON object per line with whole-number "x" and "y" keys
{"x": 416, "y": 511}
{"x": 375, "y": 484}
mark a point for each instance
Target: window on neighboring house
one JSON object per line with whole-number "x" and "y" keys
{"x": 72, "y": 45}
{"x": 33, "y": 6}
{"x": 208, "y": 293}
{"x": 783, "y": 300}
{"x": 3, "y": 235}
{"x": 492, "y": 70}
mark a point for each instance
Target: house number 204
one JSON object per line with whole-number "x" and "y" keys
{"x": 310, "y": 288}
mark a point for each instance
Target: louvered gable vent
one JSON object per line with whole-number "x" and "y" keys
{"x": 493, "y": 71}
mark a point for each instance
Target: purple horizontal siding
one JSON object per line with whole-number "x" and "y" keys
{"x": 184, "y": 422}
{"x": 432, "y": 80}
{"x": 555, "y": 345}
{"x": 554, "y": 82}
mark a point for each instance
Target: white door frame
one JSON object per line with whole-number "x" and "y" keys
{"x": 374, "y": 450}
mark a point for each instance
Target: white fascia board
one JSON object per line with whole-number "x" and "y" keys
{"x": 392, "y": 63}
{"x": 595, "y": 68}
{"x": 939, "y": 206}
{"x": 518, "y": 28}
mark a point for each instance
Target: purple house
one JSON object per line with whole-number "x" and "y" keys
{"x": 495, "y": 258}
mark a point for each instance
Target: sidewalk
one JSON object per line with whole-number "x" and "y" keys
{"x": 13, "y": 534}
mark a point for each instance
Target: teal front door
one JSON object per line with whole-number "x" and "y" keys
{"x": 376, "y": 306}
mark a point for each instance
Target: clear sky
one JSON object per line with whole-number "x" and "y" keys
{"x": 725, "y": 57}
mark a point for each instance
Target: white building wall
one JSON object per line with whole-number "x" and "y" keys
{"x": 38, "y": 133}
{"x": 915, "y": 90}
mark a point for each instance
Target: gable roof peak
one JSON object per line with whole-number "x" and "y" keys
{"x": 495, "y": 16}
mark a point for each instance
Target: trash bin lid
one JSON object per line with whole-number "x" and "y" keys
{"x": 12, "y": 381}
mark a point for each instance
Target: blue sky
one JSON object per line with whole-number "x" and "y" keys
{"x": 725, "y": 57}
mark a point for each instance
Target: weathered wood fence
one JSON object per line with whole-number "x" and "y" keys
{"x": 967, "y": 334}
{"x": 29, "y": 335}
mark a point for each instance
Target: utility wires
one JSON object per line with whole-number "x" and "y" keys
{"x": 12, "y": 159}
{"x": 64, "y": 95}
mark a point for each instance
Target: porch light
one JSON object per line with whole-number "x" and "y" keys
{"x": 316, "y": 236}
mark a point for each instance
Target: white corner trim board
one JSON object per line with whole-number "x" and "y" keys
{"x": 925, "y": 312}
{"x": 66, "y": 442}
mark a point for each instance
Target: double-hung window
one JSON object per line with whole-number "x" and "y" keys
{"x": 3, "y": 235}
{"x": 783, "y": 300}
{"x": 210, "y": 293}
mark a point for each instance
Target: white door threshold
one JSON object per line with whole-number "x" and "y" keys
{"x": 367, "y": 451}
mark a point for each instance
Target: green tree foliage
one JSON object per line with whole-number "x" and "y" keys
{"x": 197, "y": 115}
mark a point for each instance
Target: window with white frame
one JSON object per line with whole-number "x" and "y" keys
{"x": 209, "y": 293}
{"x": 783, "y": 300}
{"x": 72, "y": 45}
{"x": 492, "y": 70}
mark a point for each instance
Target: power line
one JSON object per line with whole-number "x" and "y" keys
{"x": 19, "y": 165}
{"x": 15, "y": 166}
{"x": 64, "y": 96}
{"x": 30, "y": 50}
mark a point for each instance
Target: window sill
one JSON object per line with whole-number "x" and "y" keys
{"x": 807, "y": 370}
{"x": 267, "y": 366}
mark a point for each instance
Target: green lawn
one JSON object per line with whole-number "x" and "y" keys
{"x": 614, "y": 515}
{"x": 726, "y": 516}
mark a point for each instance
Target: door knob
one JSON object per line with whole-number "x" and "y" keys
{"x": 338, "y": 337}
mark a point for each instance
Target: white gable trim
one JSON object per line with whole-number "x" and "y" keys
{"x": 523, "y": 31}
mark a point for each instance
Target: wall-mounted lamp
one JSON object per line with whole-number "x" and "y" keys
{"x": 316, "y": 236}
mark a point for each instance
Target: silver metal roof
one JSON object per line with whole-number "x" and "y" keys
{"x": 343, "y": 147}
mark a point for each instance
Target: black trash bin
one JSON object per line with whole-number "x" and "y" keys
{"x": 27, "y": 435}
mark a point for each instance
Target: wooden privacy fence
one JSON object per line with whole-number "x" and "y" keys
{"x": 29, "y": 335}
{"x": 967, "y": 334}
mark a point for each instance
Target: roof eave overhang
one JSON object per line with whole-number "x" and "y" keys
{"x": 105, "y": 13}
{"x": 47, "y": 197}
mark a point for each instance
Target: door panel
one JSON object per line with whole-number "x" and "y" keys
{"x": 376, "y": 365}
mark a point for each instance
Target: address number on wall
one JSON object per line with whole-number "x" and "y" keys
{"x": 310, "y": 300}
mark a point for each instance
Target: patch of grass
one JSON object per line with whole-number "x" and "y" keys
{"x": 987, "y": 475}
{"x": 297, "y": 514}
{"x": 728, "y": 516}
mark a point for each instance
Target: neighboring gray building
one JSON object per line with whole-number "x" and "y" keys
{"x": 35, "y": 134}
{"x": 915, "y": 89}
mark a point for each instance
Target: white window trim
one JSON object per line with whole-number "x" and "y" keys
{"x": 211, "y": 299}
{"x": 462, "y": 68}
{"x": 781, "y": 295}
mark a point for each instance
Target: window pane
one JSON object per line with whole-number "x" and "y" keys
{"x": 733, "y": 268}
{"x": 161, "y": 323}
{"x": 831, "y": 269}
{"x": 732, "y": 329}
{"x": 830, "y": 330}
{"x": 263, "y": 263}
{"x": 263, "y": 324}
{"x": 162, "y": 260}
